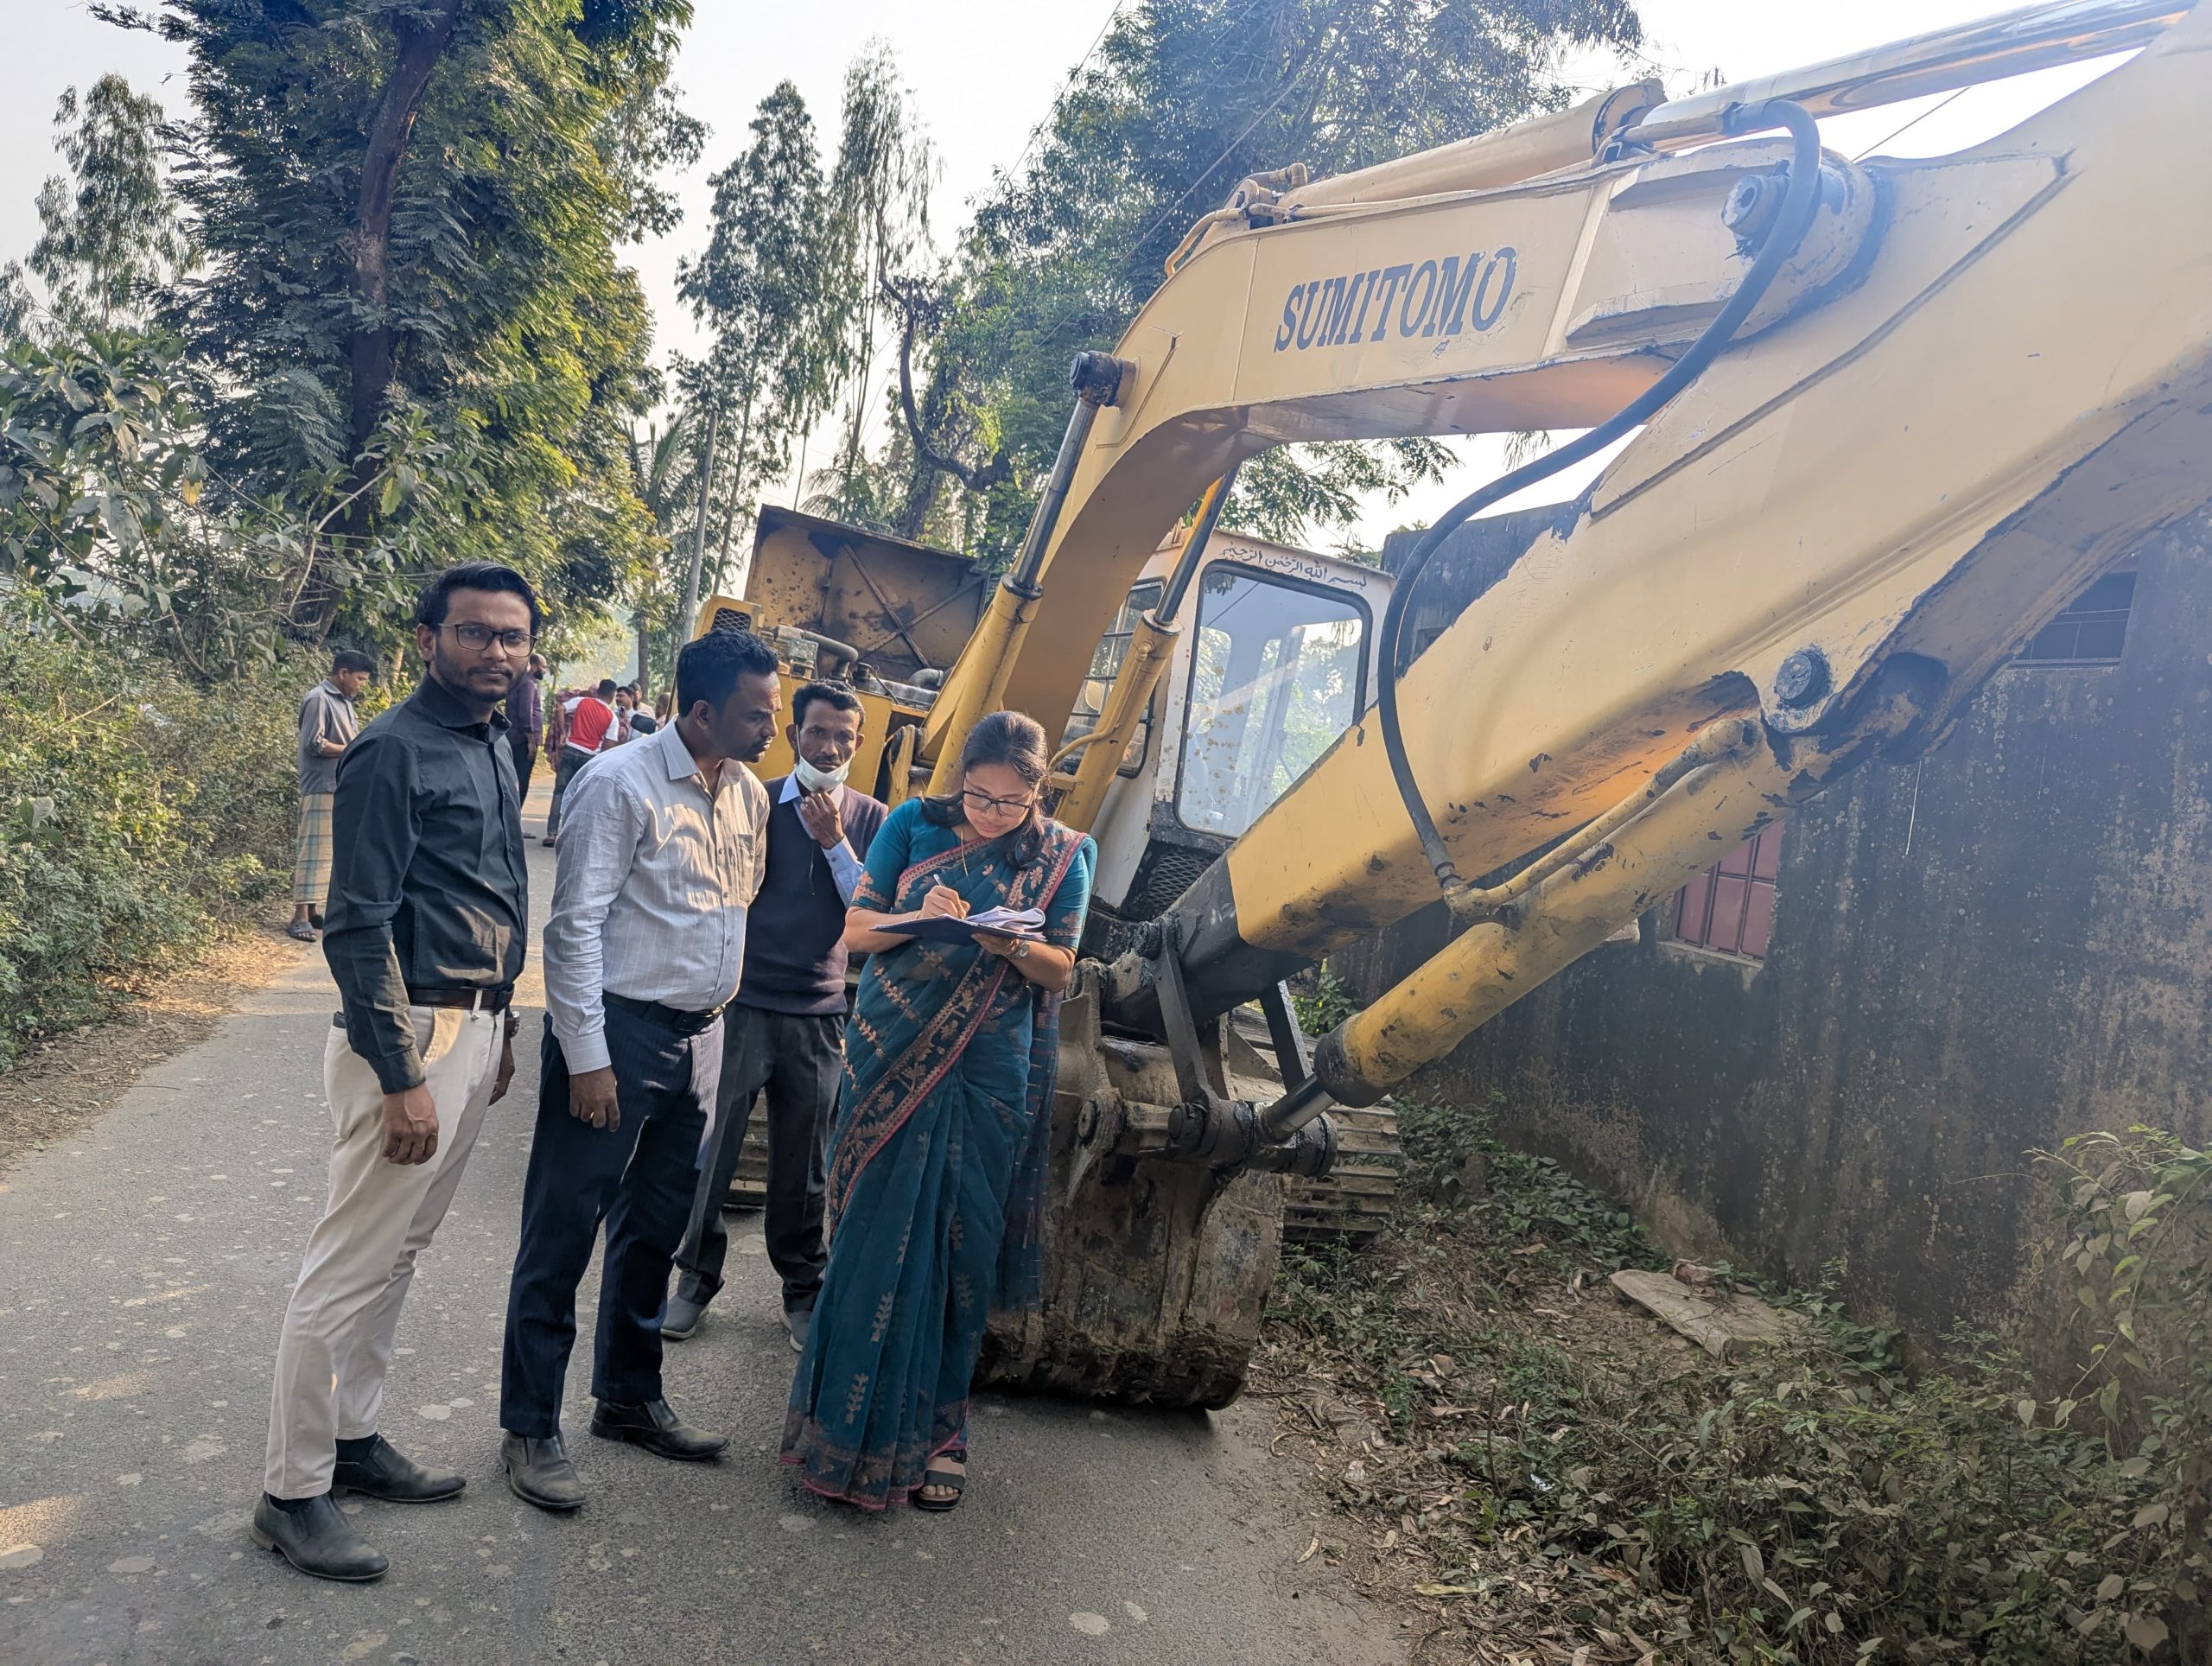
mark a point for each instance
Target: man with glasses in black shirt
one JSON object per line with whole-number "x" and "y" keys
{"x": 424, "y": 932}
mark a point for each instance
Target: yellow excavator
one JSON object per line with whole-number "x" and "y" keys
{"x": 1888, "y": 417}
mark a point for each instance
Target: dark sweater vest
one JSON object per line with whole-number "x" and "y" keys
{"x": 794, "y": 933}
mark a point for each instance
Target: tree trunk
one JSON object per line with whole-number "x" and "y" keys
{"x": 866, "y": 350}
{"x": 368, "y": 250}
{"x": 736, "y": 491}
{"x": 687, "y": 622}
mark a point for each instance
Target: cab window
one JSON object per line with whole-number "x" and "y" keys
{"x": 1277, "y": 673}
{"x": 1106, "y": 661}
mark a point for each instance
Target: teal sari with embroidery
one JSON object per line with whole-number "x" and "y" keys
{"x": 936, "y": 1173}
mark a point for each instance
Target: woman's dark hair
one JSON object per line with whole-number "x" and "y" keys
{"x": 1017, "y": 740}
{"x": 710, "y": 665}
{"x": 430, "y": 609}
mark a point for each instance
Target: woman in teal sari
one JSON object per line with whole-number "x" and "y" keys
{"x": 938, "y": 1171}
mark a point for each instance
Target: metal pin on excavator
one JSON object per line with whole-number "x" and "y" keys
{"x": 1893, "y": 415}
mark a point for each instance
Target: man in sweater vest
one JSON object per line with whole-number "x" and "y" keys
{"x": 784, "y": 1031}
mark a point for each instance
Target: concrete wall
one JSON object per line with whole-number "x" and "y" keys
{"x": 1972, "y": 957}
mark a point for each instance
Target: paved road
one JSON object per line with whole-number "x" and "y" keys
{"x": 147, "y": 1262}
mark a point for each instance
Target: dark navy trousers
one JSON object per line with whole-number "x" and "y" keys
{"x": 638, "y": 1179}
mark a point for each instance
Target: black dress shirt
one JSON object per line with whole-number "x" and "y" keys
{"x": 428, "y": 885}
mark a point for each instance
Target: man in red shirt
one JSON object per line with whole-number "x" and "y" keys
{"x": 588, "y": 729}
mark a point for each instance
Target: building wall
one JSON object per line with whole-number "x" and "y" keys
{"x": 1973, "y": 956}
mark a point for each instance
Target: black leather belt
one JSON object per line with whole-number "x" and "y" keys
{"x": 674, "y": 1018}
{"x": 474, "y": 1000}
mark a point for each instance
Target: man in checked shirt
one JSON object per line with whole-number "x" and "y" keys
{"x": 663, "y": 845}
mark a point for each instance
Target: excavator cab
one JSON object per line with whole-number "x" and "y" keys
{"x": 1280, "y": 661}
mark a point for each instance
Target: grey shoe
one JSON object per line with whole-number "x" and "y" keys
{"x": 540, "y": 1473}
{"x": 798, "y": 1321}
{"x": 388, "y": 1474}
{"x": 316, "y": 1540}
{"x": 681, "y": 1318}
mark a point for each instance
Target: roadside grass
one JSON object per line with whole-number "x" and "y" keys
{"x": 1550, "y": 1475}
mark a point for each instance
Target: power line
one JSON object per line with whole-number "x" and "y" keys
{"x": 1900, "y": 132}
{"x": 1160, "y": 218}
{"x": 1080, "y": 65}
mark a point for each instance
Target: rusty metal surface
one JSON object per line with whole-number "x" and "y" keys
{"x": 905, "y": 606}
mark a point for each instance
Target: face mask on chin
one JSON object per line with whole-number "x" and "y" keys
{"x": 812, "y": 780}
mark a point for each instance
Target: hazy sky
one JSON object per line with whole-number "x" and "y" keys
{"x": 984, "y": 72}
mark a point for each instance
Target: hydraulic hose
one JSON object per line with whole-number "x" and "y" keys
{"x": 1799, "y": 200}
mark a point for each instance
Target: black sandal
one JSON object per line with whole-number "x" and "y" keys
{"x": 955, "y": 1479}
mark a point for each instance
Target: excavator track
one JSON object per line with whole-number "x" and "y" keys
{"x": 1352, "y": 1204}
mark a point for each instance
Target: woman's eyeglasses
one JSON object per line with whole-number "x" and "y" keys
{"x": 980, "y": 804}
{"x": 477, "y": 637}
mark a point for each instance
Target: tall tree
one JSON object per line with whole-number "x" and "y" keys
{"x": 410, "y": 210}
{"x": 109, "y": 235}
{"x": 879, "y": 201}
{"x": 761, "y": 286}
{"x": 1186, "y": 97}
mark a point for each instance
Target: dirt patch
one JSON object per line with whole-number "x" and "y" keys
{"x": 1405, "y": 1453}
{"x": 70, "y": 1081}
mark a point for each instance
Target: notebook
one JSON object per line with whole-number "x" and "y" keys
{"x": 1027, "y": 923}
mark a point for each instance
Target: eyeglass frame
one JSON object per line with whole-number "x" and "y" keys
{"x": 1022, "y": 806}
{"x": 513, "y": 642}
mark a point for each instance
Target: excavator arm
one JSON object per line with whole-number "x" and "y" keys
{"x": 1975, "y": 381}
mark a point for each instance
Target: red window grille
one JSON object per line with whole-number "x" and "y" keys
{"x": 1729, "y": 908}
{"x": 2093, "y": 629}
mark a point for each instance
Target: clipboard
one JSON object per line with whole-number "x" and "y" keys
{"x": 943, "y": 928}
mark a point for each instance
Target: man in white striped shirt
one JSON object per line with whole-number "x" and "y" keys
{"x": 663, "y": 844}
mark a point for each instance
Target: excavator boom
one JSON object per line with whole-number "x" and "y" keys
{"x": 1979, "y": 379}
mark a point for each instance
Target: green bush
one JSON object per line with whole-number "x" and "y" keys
{"x": 137, "y": 812}
{"x": 1582, "y": 1483}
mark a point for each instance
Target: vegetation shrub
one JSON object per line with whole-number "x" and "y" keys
{"x": 137, "y": 810}
{"x": 1560, "y": 1481}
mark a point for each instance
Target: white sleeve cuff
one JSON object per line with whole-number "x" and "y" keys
{"x": 845, "y": 869}
{"x": 584, "y": 1052}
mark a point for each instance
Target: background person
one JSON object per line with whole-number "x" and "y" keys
{"x": 937, "y": 1177}
{"x": 660, "y": 858}
{"x": 526, "y": 720}
{"x": 586, "y": 723}
{"x": 642, "y": 720}
{"x": 430, "y": 911}
{"x": 784, "y": 1031}
{"x": 326, "y": 728}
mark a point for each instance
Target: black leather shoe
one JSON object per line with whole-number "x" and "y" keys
{"x": 681, "y": 1318}
{"x": 389, "y": 1473}
{"x": 540, "y": 1473}
{"x": 654, "y": 1426}
{"x": 317, "y": 1540}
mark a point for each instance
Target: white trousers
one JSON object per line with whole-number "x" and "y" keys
{"x": 344, "y": 1312}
